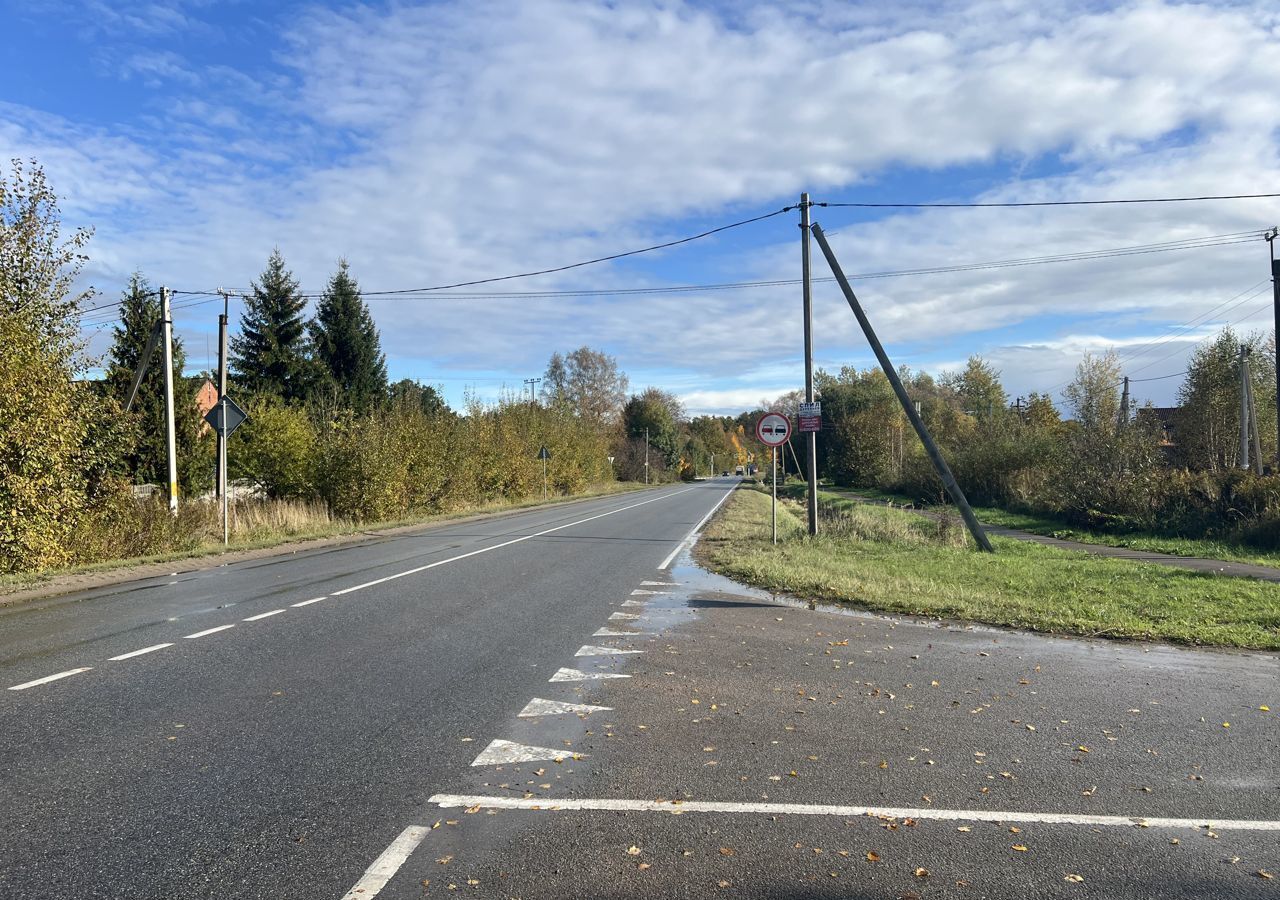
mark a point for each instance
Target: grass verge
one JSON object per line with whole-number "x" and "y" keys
{"x": 892, "y": 561}
{"x": 265, "y": 525}
{"x": 1203, "y": 548}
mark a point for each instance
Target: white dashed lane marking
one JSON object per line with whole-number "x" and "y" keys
{"x": 539, "y": 707}
{"x": 133, "y": 653}
{"x": 527, "y": 537}
{"x": 501, "y": 753}
{"x": 307, "y": 602}
{"x": 641, "y": 603}
{"x": 200, "y": 634}
{"x": 609, "y": 632}
{"x": 46, "y": 679}
{"x": 623, "y": 617}
{"x": 274, "y": 612}
{"x": 579, "y": 675}
{"x": 590, "y": 650}
{"x": 659, "y": 583}
{"x": 643, "y": 593}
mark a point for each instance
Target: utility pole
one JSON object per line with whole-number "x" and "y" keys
{"x": 171, "y": 440}
{"x": 533, "y": 387}
{"x": 886, "y": 365}
{"x": 1275, "y": 306}
{"x": 1253, "y": 426}
{"x": 1124, "y": 404}
{"x": 811, "y": 447}
{"x": 223, "y": 476}
{"x": 220, "y": 463}
{"x": 1017, "y": 405}
{"x": 1243, "y": 461}
{"x": 646, "y": 456}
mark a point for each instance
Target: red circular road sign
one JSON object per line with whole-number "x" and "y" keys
{"x": 773, "y": 429}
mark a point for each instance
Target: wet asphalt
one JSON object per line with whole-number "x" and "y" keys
{"x": 282, "y": 757}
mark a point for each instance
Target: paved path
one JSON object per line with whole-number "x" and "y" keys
{"x": 1195, "y": 563}
{"x": 556, "y": 704}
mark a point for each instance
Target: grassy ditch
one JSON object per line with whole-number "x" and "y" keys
{"x": 255, "y": 525}
{"x": 893, "y": 561}
{"x": 1204, "y": 548}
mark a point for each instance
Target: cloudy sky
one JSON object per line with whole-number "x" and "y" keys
{"x": 444, "y": 142}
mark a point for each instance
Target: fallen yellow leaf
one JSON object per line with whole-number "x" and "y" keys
{"x": 1075, "y": 879}
{"x": 873, "y": 856}
{"x": 922, "y": 873}
{"x": 1021, "y": 848}
{"x": 633, "y": 851}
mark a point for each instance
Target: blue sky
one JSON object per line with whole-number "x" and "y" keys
{"x": 433, "y": 143}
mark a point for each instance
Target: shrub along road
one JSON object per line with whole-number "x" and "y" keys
{"x": 393, "y": 738}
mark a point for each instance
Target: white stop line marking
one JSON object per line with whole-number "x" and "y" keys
{"x": 447, "y": 801}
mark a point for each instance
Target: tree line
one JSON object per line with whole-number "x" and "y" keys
{"x": 1167, "y": 471}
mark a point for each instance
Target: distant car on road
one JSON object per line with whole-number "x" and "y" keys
{"x": 725, "y": 473}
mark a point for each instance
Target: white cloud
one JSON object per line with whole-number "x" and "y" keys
{"x": 436, "y": 143}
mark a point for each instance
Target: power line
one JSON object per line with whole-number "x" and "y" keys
{"x": 1196, "y": 243}
{"x": 1248, "y": 315}
{"x": 1049, "y": 202}
{"x": 1252, "y": 291}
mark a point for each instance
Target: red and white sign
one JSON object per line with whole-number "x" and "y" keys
{"x": 773, "y": 429}
{"x": 810, "y": 417}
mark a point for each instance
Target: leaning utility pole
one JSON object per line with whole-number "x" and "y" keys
{"x": 811, "y": 447}
{"x": 935, "y": 455}
{"x": 171, "y": 440}
{"x": 1124, "y": 404}
{"x": 1243, "y": 460}
{"x": 1275, "y": 305}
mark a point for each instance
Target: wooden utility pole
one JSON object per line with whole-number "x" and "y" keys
{"x": 811, "y": 441}
{"x": 935, "y": 455}
{"x": 171, "y": 440}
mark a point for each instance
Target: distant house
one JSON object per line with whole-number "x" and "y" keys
{"x": 206, "y": 399}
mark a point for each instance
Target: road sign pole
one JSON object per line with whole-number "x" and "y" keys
{"x": 544, "y": 478}
{"x": 222, "y": 471}
{"x": 775, "y": 495}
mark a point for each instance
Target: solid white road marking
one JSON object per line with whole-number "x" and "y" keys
{"x": 501, "y": 753}
{"x": 134, "y": 653}
{"x": 609, "y": 632}
{"x": 200, "y": 634}
{"x": 46, "y": 679}
{"x": 623, "y": 617}
{"x": 308, "y": 602}
{"x": 590, "y": 650}
{"x": 803, "y": 809}
{"x": 527, "y": 537}
{"x": 640, "y": 593}
{"x": 274, "y": 612}
{"x": 375, "y": 877}
{"x": 539, "y": 707}
{"x": 693, "y": 533}
{"x": 579, "y": 675}
{"x": 659, "y": 583}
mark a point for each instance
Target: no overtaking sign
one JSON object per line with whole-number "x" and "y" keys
{"x": 773, "y": 429}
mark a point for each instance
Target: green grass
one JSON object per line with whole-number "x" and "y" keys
{"x": 892, "y": 561}
{"x": 271, "y": 534}
{"x": 1205, "y": 548}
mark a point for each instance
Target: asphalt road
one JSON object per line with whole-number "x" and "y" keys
{"x": 397, "y": 740}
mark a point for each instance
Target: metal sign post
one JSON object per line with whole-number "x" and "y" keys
{"x": 225, "y": 418}
{"x": 544, "y": 454}
{"x": 775, "y": 495}
{"x": 772, "y": 430}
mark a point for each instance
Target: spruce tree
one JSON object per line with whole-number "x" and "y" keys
{"x": 148, "y": 461}
{"x": 269, "y": 356}
{"x": 347, "y": 347}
